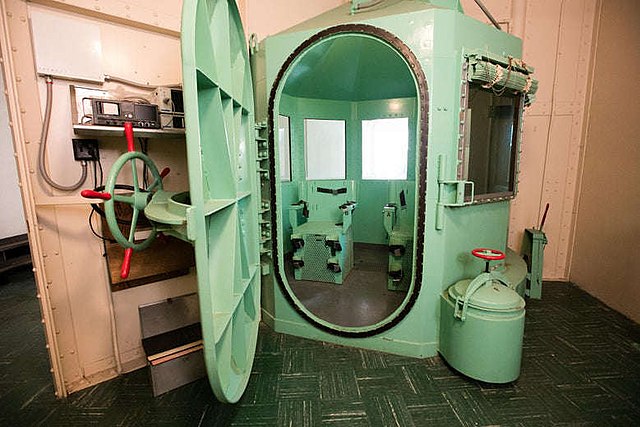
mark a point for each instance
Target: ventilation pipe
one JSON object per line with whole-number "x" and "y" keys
{"x": 518, "y": 17}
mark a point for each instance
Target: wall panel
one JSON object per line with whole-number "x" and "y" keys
{"x": 607, "y": 234}
{"x": 68, "y": 259}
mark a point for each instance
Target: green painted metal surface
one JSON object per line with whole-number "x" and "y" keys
{"x": 533, "y": 244}
{"x": 481, "y": 328}
{"x": 220, "y": 213}
{"x": 223, "y": 213}
{"x": 439, "y": 38}
{"x": 137, "y": 199}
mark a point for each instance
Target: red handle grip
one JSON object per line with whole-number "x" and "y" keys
{"x": 164, "y": 172}
{"x": 488, "y": 254}
{"x": 126, "y": 263}
{"x": 128, "y": 133}
{"x": 90, "y": 194}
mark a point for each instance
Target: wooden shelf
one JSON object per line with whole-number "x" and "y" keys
{"x": 14, "y": 252}
{"x": 116, "y": 131}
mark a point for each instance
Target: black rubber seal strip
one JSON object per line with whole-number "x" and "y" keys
{"x": 423, "y": 94}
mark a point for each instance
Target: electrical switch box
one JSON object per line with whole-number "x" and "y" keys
{"x": 85, "y": 149}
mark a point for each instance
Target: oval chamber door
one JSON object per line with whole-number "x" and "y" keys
{"x": 223, "y": 217}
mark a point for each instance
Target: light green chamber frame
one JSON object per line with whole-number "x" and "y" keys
{"x": 440, "y": 37}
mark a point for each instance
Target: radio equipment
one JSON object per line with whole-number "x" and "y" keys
{"x": 110, "y": 112}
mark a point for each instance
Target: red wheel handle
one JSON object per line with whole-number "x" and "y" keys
{"x": 165, "y": 172}
{"x": 488, "y": 254}
{"x": 126, "y": 263}
{"x": 128, "y": 133}
{"x": 90, "y": 194}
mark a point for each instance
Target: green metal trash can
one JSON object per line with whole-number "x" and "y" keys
{"x": 481, "y": 328}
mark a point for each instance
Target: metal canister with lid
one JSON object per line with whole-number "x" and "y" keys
{"x": 481, "y": 328}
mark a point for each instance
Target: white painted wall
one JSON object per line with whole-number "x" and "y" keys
{"x": 607, "y": 242}
{"x": 265, "y": 18}
{"x": 12, "y": 221}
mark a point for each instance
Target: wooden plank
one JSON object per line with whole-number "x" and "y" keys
{"x": 176, "y": 355}
{"x": 174, "y": 351}
{"x": 167, "y": 257}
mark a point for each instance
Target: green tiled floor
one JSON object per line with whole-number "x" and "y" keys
{"x": 581, "y": 366}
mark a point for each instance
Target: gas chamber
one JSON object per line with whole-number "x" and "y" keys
{"x": 340, "y": 174}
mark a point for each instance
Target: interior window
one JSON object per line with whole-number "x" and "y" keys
{"x": 324, "y": 143}
{"x": 384, "y": 148}
{"x": 492, "y": 120}
{"x": 284, "y": 147}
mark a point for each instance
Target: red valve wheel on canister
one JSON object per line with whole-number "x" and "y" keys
{"x": 488, "y": 254}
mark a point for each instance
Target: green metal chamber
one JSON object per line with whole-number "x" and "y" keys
{"x": 435, "y": 41}
{"x": 424, "y": 62}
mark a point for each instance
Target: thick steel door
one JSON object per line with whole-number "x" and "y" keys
{"x": 223, "y": 218}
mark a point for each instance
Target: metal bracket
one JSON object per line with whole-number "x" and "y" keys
{"x": 451, "y": 193}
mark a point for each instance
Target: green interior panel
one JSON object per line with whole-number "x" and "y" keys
{"x": 350, "y": 69}
{"x": 372, "y": 104}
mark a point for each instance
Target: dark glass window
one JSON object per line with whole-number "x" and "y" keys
{"x": 492, "y": 126}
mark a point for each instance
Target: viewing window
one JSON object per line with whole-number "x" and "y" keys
{"x": 284, "y": 148}
{"x": 324, "y": 144}
{"x": 492, "y": 132}
{"x": 385, "y": 144}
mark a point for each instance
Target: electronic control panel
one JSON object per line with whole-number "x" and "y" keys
{"x": 109, "y": 112}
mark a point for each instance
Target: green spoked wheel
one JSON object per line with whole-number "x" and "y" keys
{"x": 138, "y": 199}
{"x": 223, "y": 217}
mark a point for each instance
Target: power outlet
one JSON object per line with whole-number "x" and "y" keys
{"x": 85, "y": 149}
